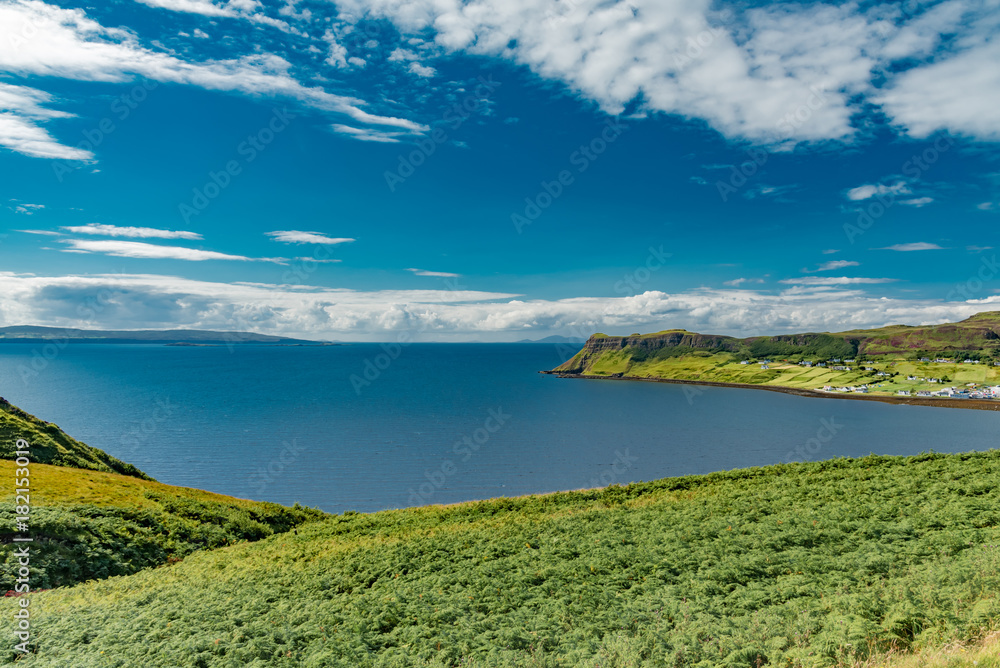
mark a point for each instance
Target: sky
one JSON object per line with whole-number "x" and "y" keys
{"x": 497, "y": 170}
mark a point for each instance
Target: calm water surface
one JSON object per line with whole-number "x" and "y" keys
{"x": 440, "y": 423}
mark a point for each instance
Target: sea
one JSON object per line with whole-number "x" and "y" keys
{"x": 367, "y": 427}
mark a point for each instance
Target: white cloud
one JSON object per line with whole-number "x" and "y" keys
{"x": 402, "y": 55}
{"x": 21, "y": 116}
{"x": 203, "y": 7}
{"x": 736, "y": 282}
{"x": 835, "y": 280}
{"x": 831, "y": 251}
{"x": 771, "y": 72}
{"x": 298, "y": 237}
{"x": 137, "y": 249}
{"x": 422, "y": 70}
{"x": 149, "y": 301}
{"x": 367, "y": 134}
{"x": 958, "y": 93}
{"x": 832, "y": 266}
{"x": 136, "y": 232}
{"x": 986, "y": 206}
{"x": 774, "y": 73}
{"x": 871, "y": 190}
{"x": 916, "y": 246}
{"x": 437, "y": 274}
{"x": 243, "y": 9}
{"x": 47, "y": 233}
{"x": 917, "y": 201}
{"x": 37, "y": 39}
{"x": 27, "y": 209}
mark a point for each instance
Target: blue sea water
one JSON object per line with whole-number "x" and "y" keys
{"x": 350, "y": 428}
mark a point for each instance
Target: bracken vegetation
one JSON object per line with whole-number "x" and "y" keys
{"x": 834, "y": 563}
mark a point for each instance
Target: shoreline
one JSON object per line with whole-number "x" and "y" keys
{"x": 939, "y": 402}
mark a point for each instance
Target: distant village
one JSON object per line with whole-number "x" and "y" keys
{"x": 967, "y": 391}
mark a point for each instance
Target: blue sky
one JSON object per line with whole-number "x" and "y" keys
{"x": 492, "y": 171}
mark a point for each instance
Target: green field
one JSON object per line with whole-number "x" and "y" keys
{"x": 817, "y": 564}
{"x": 723, "y": 368}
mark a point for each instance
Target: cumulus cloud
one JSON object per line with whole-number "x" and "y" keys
{"x": 136, "y": 232}
{"x": 299, "y": 237}
{"x": 148, "y": 301}
{"x": 138, "y": 249}
{"x": 422, "y": 70}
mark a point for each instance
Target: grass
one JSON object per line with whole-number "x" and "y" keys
{"x": 836, "y": 563}
{"x": 982, "y": 654}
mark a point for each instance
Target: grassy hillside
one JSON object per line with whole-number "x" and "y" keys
{"x": 94, "y": 516}
{"x": 50, "y": 445}
{"x": 816, "y": 564}
{"x": 89, "y": 525}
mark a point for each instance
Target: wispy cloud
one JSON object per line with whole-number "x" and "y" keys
{"x": 871, "y": 190}
{"x": 299, "y": 237}
{"x": 437, "y": 274}
{"x": 71, "y": 45}
{"x": 917, "y": 201}
{"x": 832, "y": 265}
{"x": 916, "y": 246}
{"x": 138, "y": 249}
{"x": 27, "y": 209}
{"x": 244, "y": 9}
{"x": 368, "y": 134}
{"x": 24, "y": 110}
{"x": 134, "y": 232}
{"x": 835, "y": 280}
{"x": 47, "y": 233}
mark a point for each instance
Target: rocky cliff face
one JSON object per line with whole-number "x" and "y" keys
{"x": 598, "y": 345}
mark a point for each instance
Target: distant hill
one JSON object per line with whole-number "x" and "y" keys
{"x": 21, "y": 333}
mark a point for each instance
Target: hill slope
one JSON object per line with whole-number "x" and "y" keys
{"x": 816, "y": 564}
{"x": 90, "y": 525}
{"x": 51, "y": 445}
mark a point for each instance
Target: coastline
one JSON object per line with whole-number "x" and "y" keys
{"x": 973, "y": 404}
